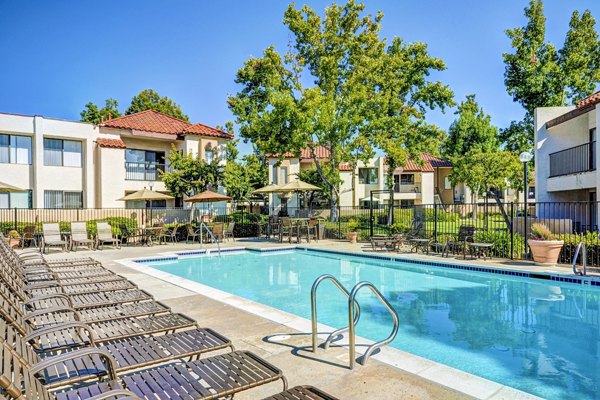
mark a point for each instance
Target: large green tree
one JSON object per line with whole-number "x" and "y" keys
{"x": 342, "y": 87}
{"x": 149, "y": 99}
{"x": 190, "y": 174}
{"x": 242, "y": 177}
{"x": 538, "y": 75}
{"x": 91, "y": 112}
{"x": 472, "y": 130}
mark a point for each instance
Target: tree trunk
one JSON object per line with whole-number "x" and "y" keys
{"x": 503, "y": 211}
{"x": 333, "y": 200}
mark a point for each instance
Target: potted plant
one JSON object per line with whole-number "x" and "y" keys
{"x": 352, "y": 234}
{"x": 544, "y": 248}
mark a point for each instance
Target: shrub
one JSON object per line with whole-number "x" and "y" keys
{"x": 239, "y": 217}
{"x": 501, "y": 242}
{"x": 353, "y": 225}
{"x": 442, "y": 216}
{"x": 541, "y": 232}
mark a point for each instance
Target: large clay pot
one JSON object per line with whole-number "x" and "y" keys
{"x": 352, "y": 236}
{"x": 545, "y": 251}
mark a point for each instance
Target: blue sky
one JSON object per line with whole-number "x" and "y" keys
{"x": 58, "y": 55}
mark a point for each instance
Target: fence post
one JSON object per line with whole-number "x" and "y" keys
{"x": 339, "y": 218}
{"x": 512, "y": 231}
{"x": 15, "y": 218}
{"x": 435, "y": 222}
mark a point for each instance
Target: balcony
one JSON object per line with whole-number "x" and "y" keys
{"x": 406, "y": 188}
{"x": 573, "y": 160}
{"x": 145, "y": 171}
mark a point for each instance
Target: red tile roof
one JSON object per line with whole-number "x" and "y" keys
{"x": 592, "y": 99}
{"x": 320, "y": 151}
{"x": 111, "y": 143}
{"x": 205, "y": 130}
{"x": 345, "y": 167}
{"x": 429, "y": 163}
{"x": 154, "y": 121}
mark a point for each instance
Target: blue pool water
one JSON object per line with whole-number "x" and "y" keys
{"x": 537, "y": 336}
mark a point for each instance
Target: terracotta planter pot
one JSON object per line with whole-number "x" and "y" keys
{"x": 545, "y": 251}
{"x": 352, "y": 236}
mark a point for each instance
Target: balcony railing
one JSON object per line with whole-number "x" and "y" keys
{"x": 406, "y": 188}
{"x": 145, "y": 171}
{"x": 573, "y": 160}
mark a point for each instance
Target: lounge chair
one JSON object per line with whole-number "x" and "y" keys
{"x": 302, "y": 392}
{"x": 79, "y": 236}
{"x": 192, "y": 233}
{"x": 458, "y": 244}
{"x": 52, "y": 237}
{"x": 104, "y": 235}
{"x": 228, "y": 234}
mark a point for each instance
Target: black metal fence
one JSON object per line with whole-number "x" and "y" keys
{"x": 502, "y": 225}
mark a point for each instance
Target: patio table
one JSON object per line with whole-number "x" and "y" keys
{"x": 147, "y": 233}
{"x": 417, "y": 244}
{"x": 478, "y": 249}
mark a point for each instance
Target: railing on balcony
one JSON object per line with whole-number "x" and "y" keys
{"x": 145, "y": 171}
{"x": 573, "y": 160}
{"x": 406, "y": 188}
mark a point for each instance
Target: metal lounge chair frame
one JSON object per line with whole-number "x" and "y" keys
{"x": 80, "y": 236}
{"x": 104, "y": 235}
{"x": 52, "y": 237}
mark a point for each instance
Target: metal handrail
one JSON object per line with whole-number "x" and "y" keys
{"x": 203, "y": 225}
{"x": 313, "y": 307}
{"x": 377, "y": 345}
{"x": 583, "y": 262}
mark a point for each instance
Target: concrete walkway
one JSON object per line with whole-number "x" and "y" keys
{"x": 289, "y": 349}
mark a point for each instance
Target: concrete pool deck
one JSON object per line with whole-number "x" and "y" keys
{"x": 282, "y": 339}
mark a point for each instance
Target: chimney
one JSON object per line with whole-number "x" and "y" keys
{"x": 102, "y": 119}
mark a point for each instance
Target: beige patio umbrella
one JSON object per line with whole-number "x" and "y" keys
{"x": 298, "y": 186}
{"x": 272, "y": 188}
{"x": 146, "y": 194}
{"x": 5, "y": 187}
{"x": 208, "y": 196}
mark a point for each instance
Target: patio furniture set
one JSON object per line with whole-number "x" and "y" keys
{"x": 72, "y": 329}
{"x": 463, "y": 242}
{"x": 291, "y": 229}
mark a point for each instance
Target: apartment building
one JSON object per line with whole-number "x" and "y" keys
{"x": 68, "y": 164}
{"x": 426, "y": 182}
{"x": 566, "y": 155}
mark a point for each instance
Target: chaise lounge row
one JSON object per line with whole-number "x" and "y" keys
{"x": 71, "y": 329}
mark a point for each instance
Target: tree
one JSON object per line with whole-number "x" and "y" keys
{"x": 241, "y": 178}
{"x": 313, "y": 177}
{"x": 92, "y": 114}
{"x": 472, "y": 130}
{"x": 190, "y": 175}
{"x": 148, "y": 99}
{"x": 339, "y": 87}
{"x": 537, "y": 75}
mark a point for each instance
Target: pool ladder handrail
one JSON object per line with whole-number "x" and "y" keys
{"x": 353, "y": 318}
{"x": 583, "y": 261}
{"x": 203, "y": 225}
{"x": 313, "y": 307}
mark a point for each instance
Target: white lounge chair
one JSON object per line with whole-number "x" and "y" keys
{"x": 104, "y": 235}
{"x": 79, "y": 235}
{"x": 52, "y": 237}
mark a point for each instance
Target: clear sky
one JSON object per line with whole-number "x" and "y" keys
{"x": 57, "y": 55}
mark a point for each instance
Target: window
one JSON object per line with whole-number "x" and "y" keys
{"x": 407, "y": 203}
{"x": 15, "y": 200}
{"x": 209, "y": 154}
{"x": 143, "y": 204}
{"x": 531, "y": 192}
{"x": 62, "y": 153}
{"x": 143, "y": 165}
{"x": 60, "y": 199}
{"x": 274, "y": 175}
{"x": 368, "y": 176}
{"x": 15, "y": 149}
{"x": 284, "y": 175}
{"x": 447, "y": 183}
{"x": 407, "y": 179}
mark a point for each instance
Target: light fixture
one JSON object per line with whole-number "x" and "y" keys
{"x": 525, "y": 157}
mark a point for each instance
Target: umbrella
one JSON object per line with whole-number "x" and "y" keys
{"x": 272, "y": 188}
{"x": 5, "y": 187}
{"x": 298, "y": 186}
{"x": 208, "y": 196}
{"x": 146, "y": 194}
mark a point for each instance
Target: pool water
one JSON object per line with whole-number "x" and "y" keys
{"x": 537, "y": 336}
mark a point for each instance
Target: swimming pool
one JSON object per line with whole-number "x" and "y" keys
{"x": 538, "y": 336}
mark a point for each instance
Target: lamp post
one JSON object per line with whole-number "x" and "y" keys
{"x": 525, "y": 157}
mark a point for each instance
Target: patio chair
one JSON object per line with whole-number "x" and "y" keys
{"x": 52, "y": 237}
{"x": 171, "y": 234}
{"x": 79, "y": 236}
{"x": 192, "y": 233}
{"x": 286, "y": 227}
{"x": 302, "y": 392}
{"x": 29, "y": 235}
{"x": 312, "y": 229}
{"x": 458, "y": 243}
{"x": 274, "y": 225}
{"x": 127, "y": 235}
{"x": 217, "y": 230}
{"x": 104, "y": 235}
{"x": 228, "y": 234}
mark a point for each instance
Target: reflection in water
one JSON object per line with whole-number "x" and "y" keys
{"x": 539, "y": 338}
